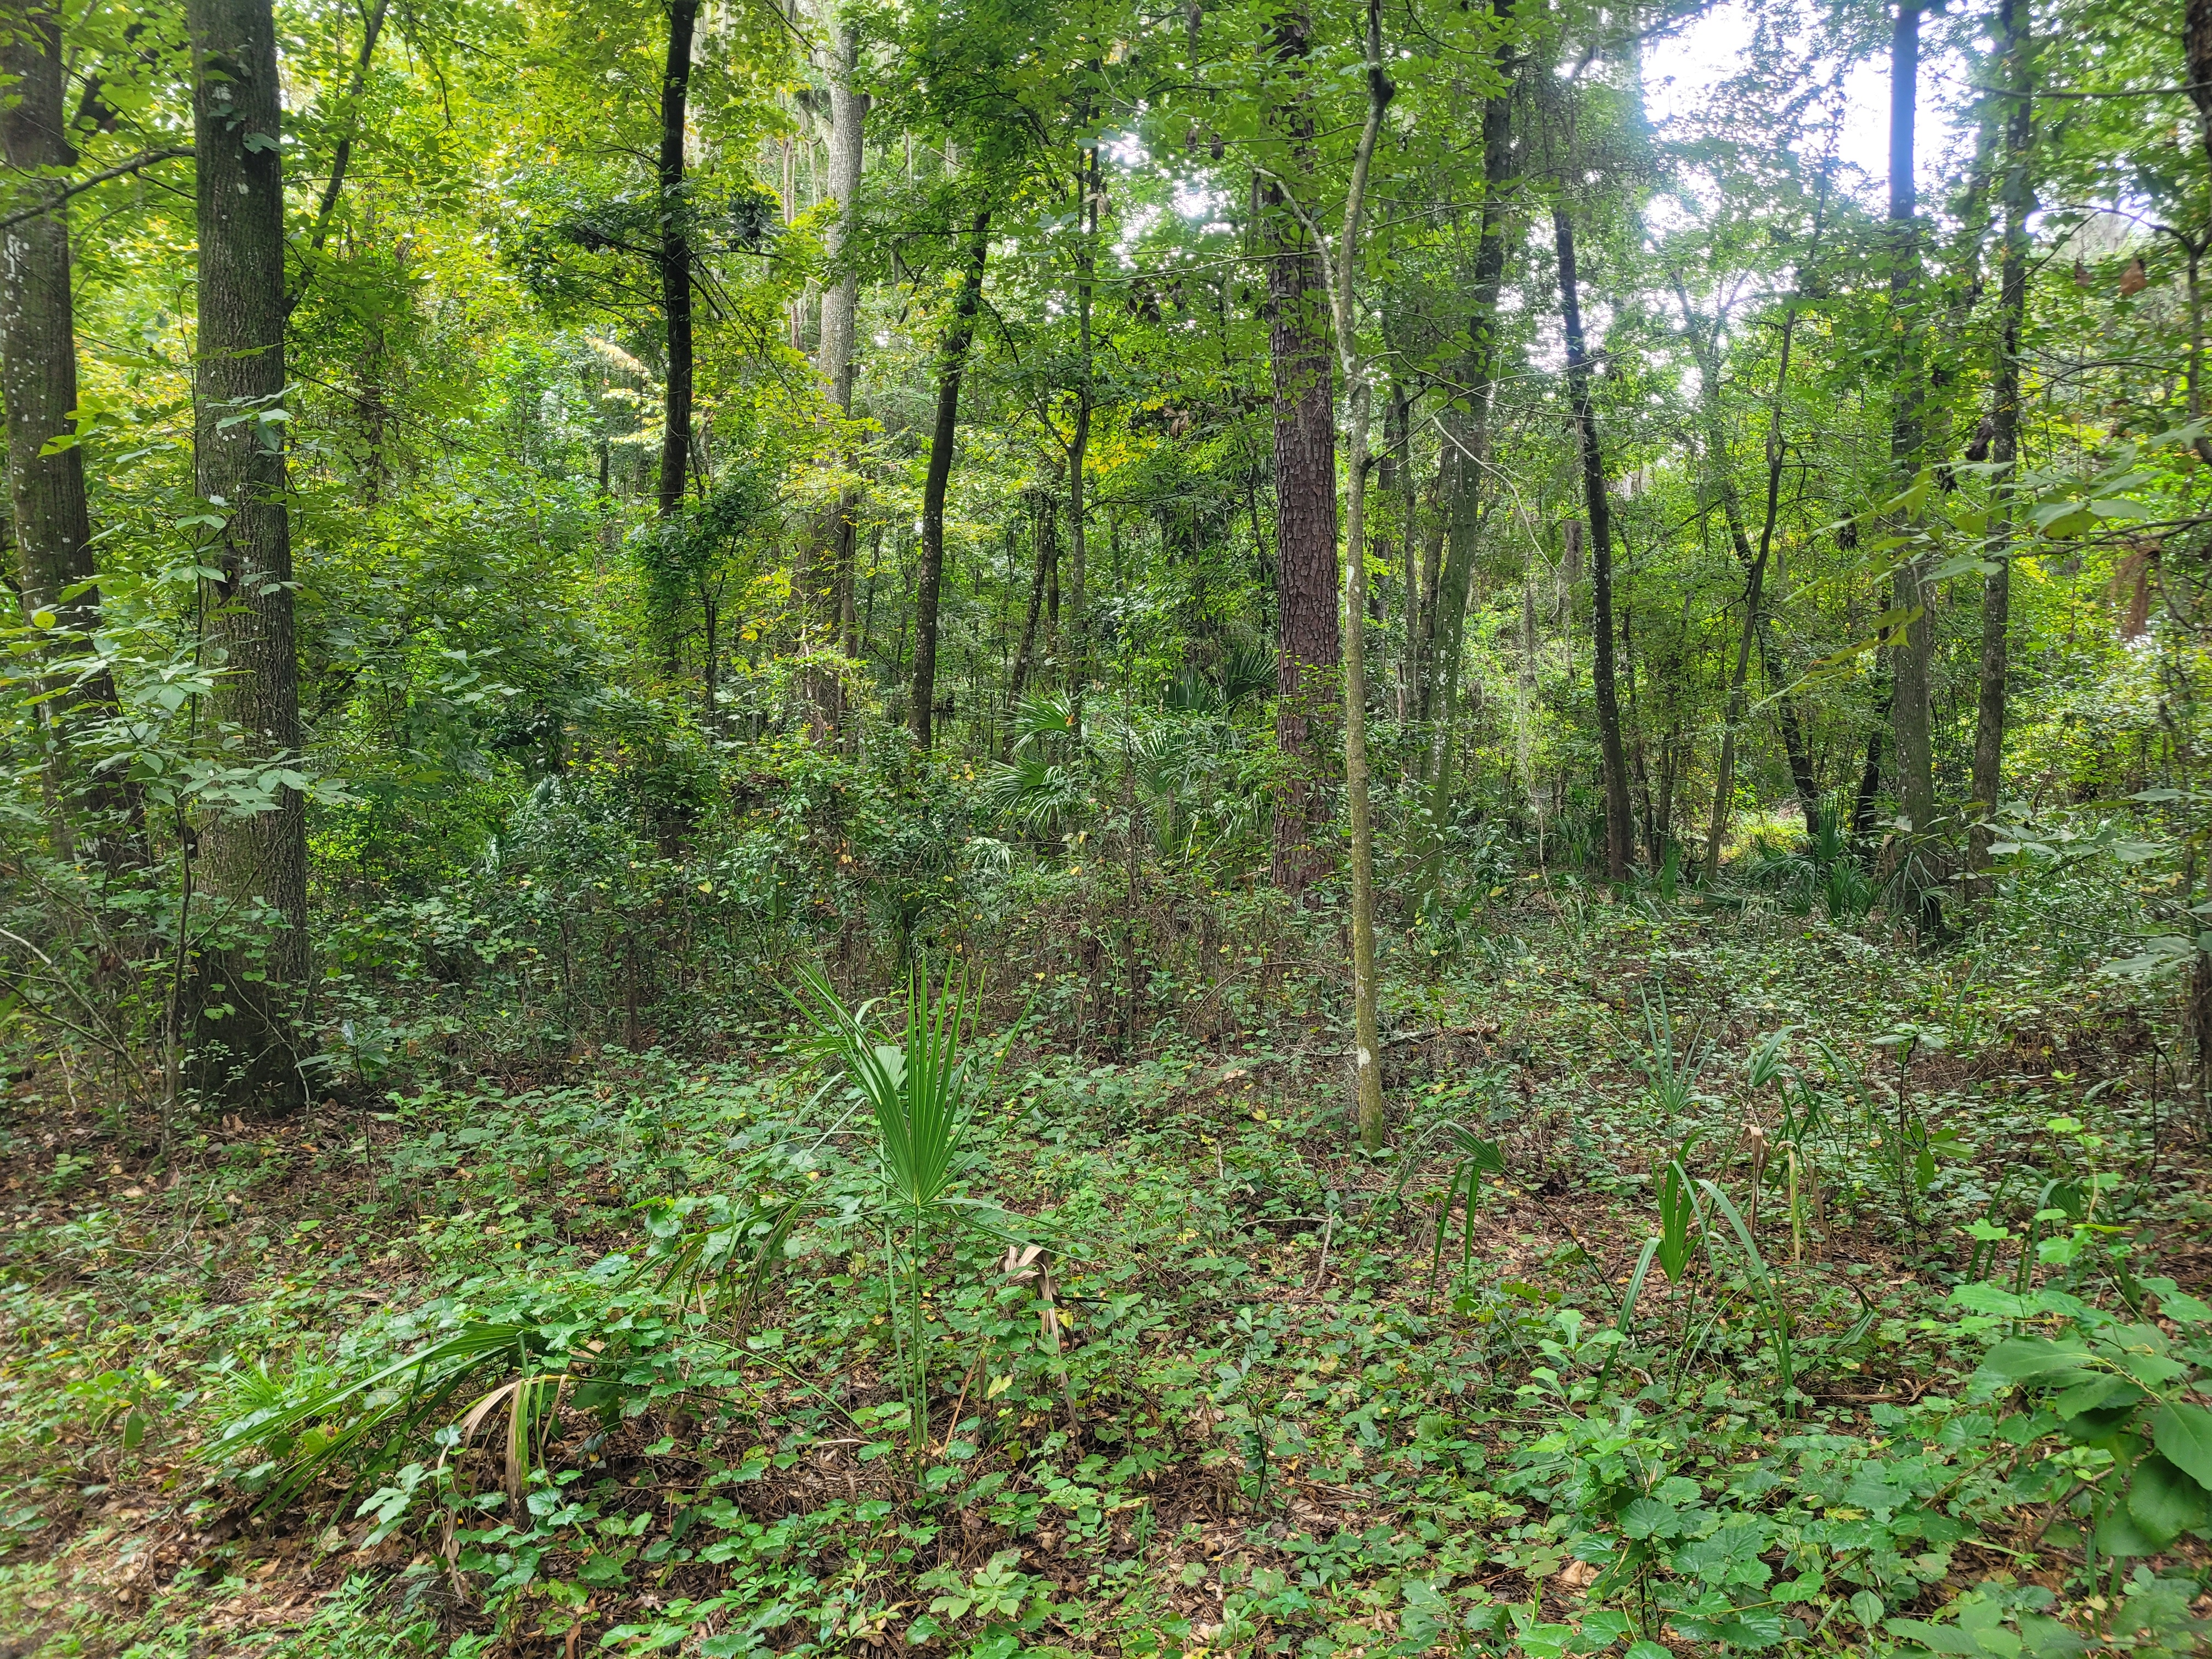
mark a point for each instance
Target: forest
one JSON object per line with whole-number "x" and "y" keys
{"x": 1046, "y": 828}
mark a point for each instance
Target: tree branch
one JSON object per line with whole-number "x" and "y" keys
{"x": 136, "y": 164}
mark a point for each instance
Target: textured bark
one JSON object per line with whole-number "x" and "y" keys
{"x": 38, "y": 353}
{"x": 38, "y": 380}
{"x": 1620, "y": 829}
{"x": 675, "y": 258}
{"x": 951, "y": 362}
{"x": 2019, "y": 199}
{"x": 244, "y": 1047}
{"x": 1308, "y": 648}
{"x": 1914, "y": 761}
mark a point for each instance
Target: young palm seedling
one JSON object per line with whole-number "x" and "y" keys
{"x": 1670, "y": 1067}
{"x": 921, "y": 1094}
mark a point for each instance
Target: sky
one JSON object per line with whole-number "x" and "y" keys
{"x": 1678, "y": 68}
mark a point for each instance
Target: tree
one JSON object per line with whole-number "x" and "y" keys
{"x": 245, "y": 1045}
{"x": 1339, "y": 285}
{"x": 1913, "y": 629}
{"x": 951, "y": 363}
{"x": 38, "y": 380}
{"x": 1308, "y": 647}
{"x": 1619, "y": 828}
{"x": 1706, "y": 350}
{"x": 848, "y": 111}
{"x": 675, "y": 254}
{"x": 2017, "y": 72}
{"x": 1467, "y": 437}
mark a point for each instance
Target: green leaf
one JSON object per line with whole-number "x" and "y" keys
{"x": 1647, "y": 1517}
{"x": 2184, "y": 1433}
{"x": 2026, "y": 1357}
{"x": 2164, "y": 1502}
{"x": 2088, "y": 1396}
{"x": 2118, "y": 1533}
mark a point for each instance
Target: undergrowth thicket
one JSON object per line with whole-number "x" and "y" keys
{"x": 1748, "y": 1284}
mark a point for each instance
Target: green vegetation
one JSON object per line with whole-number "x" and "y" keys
{"x": 1049, "y": 829}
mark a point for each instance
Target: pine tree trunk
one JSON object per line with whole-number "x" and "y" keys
{"x": 951, "y": 361}
{"x": 1308, "y": 648}
{"x": 1619, "y": 828}
{"x": 675, "y": 255}
{"x": 243, "y": 1045}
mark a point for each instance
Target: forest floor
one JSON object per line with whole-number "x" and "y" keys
{"x": 1268, "y": 1413}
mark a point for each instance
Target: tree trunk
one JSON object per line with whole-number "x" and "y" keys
{"x": 1870, "y": 774}
{"x": 1308, "y": 649}
{"x": 675, "y": 254}
{"x": 1024, "y": 658}
{"x": 37, "y": 381}
{"x": 1396, "y": 479}
{"x": 1465, "y": 424}
{"x": 1619, "y": 829}
{"x": 835, "y": 359}
{"x": 1366, "y": 994}
{"x": 1707, "y": 349}
{"x": 1092, "y": 188}
{"x": 2196, "y": 54}
{"x": 247, "y": 993}
{"x": 951, "y": 360}
{"x": 1910, "y": 656}
{"x": 848, "y": 112}
{"x": 2004, "y": 439}
{"x": 1802, "y": 778}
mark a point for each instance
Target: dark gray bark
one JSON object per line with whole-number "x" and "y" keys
{"x": 675, "y": 255}
{"x": 2019, "y": 200}
{"x": 244, "y": 1045}
{"x": 38, "y": 380}
{"x": 951, "y": 363}
{"x": 1308, "y": 646}
{"x": 1619, "y": 827}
